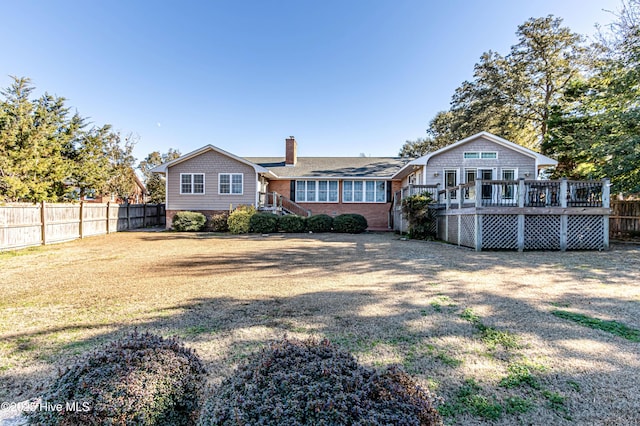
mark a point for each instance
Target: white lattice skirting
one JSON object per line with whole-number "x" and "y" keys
{"x": 526, "y": 232}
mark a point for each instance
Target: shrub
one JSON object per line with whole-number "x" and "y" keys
{"x": 188, "y": 221}
{"x": 415, "y": 209}
{"x": 263, "y": 223}
{"x": 239, "y": 220}
{"x": 138, "y": 379}
{"x": 320, "y": 223}
{"x": 218, "y": 222}
{"x": 351, "y": 223}
{"x": 293, "y": 223}
{"x": 309, "y": 383}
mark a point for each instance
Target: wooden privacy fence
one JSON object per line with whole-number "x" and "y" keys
{"x": 624, "y": 221}
{"x": 24, "y": 225}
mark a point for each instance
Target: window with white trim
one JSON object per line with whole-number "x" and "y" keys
{"x": 191, "y": 183}
{"x": 230, "y": 183}
{"x": 485, "y": 155}
{"x": 364, "y": 191}
{"x": 317, "y": 191}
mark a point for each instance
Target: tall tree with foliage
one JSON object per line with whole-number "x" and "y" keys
{"x": 597, "y": 134}
{"x": 512, "y": 96}
{"x": 154, "y": 182}
{"x": 33, "y": 138}
{"x": 122, "y": 179}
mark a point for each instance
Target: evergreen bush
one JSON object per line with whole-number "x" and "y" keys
{"x": 240, "y": 219}
{"x": 293, "y": 223}
{"x": 138, "y": 379}
{"x": 263, "y": 223}
{"x": 320, "y": 223}
{"x": 415, "y": 209}
{"x": 296, "y": 382}
{"x": 188, "y": 221}
{"x": 351, "y": 223}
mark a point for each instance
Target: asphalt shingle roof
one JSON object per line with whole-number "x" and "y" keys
{"x": 383, "y": 167}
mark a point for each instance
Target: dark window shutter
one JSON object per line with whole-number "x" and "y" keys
{"x": 292, "y": 190}
{"x": 389, "y": 194}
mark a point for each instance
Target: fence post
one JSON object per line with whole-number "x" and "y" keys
{"x": 144, "y": 215}
{"x": 108, "y": 216}
{"x": 81, "y": 213}
{"x": 128, "y": 216}
{"x": 564, "y": 218}
{"x": 43, "y": 221}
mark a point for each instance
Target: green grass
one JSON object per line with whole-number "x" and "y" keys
{"x": 490, "y": 336}
{"x": 469, "y": 399}
{"x": 521, "y": 373}
{"x": 613, "y": 327}
{"x": 517, "y": 405}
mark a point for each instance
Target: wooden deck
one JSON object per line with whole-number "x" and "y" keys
{"x": 523, "y": 215}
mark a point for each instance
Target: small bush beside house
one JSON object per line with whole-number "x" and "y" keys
{"x": 350, "y": 223}
{"x": 320, "y": 223}
{"x": 189, "y": 221}
{"x": 415, "y": 209}
{"x": 139, "y": 379}
{"x": 217, "y": 222}
{"x": 263, "y": 223}
{"x": 293, "y": 223}
{"x": 240, "y": 219}
{"x": 311, "y": 383}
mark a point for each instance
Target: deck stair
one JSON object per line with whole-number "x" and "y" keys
{"x": 281, "y": 205}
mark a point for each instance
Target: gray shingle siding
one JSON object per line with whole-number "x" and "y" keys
{"x": 454, "y": 159}
{"x": 211, "y": 164}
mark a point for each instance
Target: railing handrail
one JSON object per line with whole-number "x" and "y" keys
{"x": 536, "y": 193}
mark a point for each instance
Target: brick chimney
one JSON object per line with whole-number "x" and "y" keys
{"x": 291, "y": 153}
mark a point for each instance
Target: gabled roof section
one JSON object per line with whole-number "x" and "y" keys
{"x": 163, "y": 167}
{"x": 541, "y": 160}
{"x": 332, "y": 167}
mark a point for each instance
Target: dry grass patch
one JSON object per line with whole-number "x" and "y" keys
{"x": 477, "y": 328}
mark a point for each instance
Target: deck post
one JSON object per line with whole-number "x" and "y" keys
{"x": 478, "y": 218}
{"x": 459, "y": 194}
{"x": 521, "y": 192}
{"x": 478, "y": 190}
{"x": 447, "y": 197}
{"x": 563, "y": 192}
{"x": 606, "y": 203}
{"x": 520, "y": 232}
{"x": 564, "y": 230}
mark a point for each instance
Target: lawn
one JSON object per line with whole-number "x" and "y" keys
{"x": 503, "y": 337}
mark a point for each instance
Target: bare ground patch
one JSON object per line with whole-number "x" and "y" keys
{"x": 477, "y": 328}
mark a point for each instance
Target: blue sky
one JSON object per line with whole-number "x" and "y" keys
{"x": 344, "y": 77}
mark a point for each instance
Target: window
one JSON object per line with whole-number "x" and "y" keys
{"x": 485, "y": 155}
{"x": 230, "y": 183}
{"x": 367, "y": 191}
{"x": 323, "y": 191}
{"x": 192, "y": 183}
